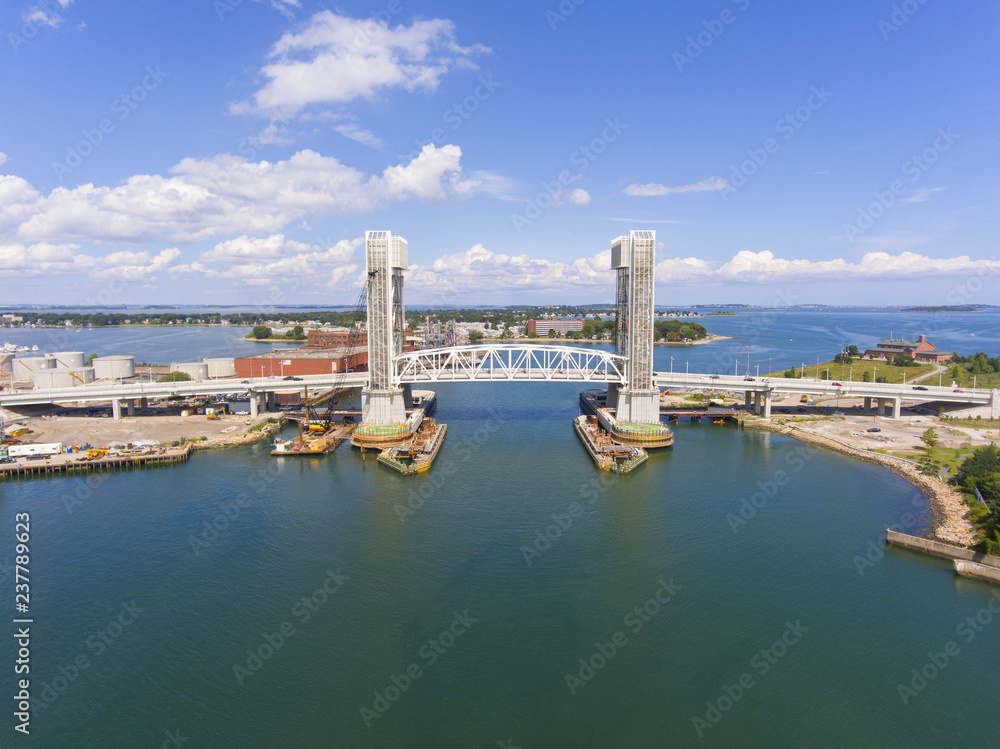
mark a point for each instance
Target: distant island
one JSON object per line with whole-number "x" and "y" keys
{"x": 950, "y": 308}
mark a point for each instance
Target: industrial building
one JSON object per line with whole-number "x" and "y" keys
{"x": 335, "y": 338}
{"x": 559, "y": 325}
{"x": 299, "y": 362}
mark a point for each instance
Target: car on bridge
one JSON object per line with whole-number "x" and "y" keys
{"x": 837, "y": 385}
{"x": 957, "y": 390}
{"x": 919, "y": 387}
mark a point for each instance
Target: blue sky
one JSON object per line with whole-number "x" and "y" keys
{"x": 235, "y": 151}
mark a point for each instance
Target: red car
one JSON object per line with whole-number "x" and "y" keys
{"x": 956, "y": 390}
{"x": 837, "y": 385}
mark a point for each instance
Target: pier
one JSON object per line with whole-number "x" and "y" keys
{"x": 79, "y": 463}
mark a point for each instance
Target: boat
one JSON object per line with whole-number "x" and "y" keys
{"x": 416, "y": 454}
{"x": 607, "y": 454}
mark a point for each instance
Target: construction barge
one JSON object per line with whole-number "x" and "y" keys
{"x": 646, "y": 436}
{"x": 608, "y": 454}
{"x": 311, "y": 441}
{"x": 409, "y": 446}
{"x": 416, "y": 454}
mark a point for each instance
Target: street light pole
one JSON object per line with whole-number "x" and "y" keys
{"x": 671, "y": 365}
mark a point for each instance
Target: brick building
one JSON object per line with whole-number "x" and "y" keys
{"x": 298, "y": 362}
{"x": 920, "y": 349}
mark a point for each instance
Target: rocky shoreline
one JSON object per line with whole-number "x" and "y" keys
{"x": 236, "y": 440}
{"x": 951, "y": 514}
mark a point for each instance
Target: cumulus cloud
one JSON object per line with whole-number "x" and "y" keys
{"x": 132, "y": 266}
{"x": 579, "y": 196}
{"x": 652, "y": 189}
{"x": 258, "y": 261}
{"x": 226, "y": 194}
{"x": 764, "y": 267}
{"x": 335, "y": 58}
{"x": 17, "y": 259}
{"x": 478, "y": 270}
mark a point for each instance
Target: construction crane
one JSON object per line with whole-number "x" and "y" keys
{"x": 353, "y": 343}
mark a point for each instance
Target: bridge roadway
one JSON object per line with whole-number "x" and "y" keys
{"x": 890, "y": 395}
{"x": 511, "y": 363}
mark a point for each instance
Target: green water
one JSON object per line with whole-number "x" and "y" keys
{"x": 511, "y": 461}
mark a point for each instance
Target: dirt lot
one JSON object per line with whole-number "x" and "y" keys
{"x": 80, "y": 430}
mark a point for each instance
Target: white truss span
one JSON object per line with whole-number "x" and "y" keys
{"x": 507, "y": 362}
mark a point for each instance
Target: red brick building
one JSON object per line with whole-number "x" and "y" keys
{"x": 298, "y": 362}
{"x": 920, "y": 349}
{"x": 336, "y": 337}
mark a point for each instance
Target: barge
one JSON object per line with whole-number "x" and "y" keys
{"x": 608, "y": 454}
{"x": 416, "y": 454}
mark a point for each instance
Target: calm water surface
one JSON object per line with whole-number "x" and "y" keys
{"x": 404, "y": 556}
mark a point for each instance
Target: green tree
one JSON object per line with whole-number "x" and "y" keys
{"x": 532, "y": 334}
{"x": 475, "y": 336}
{"x": 175, "y": 377}
{"x": 866, "y": 376}
{"x": 552, "y": 333}
{"x": 260, "y": 331}
{"x": 296, "y": 333}
{"x": 930, "y": 438}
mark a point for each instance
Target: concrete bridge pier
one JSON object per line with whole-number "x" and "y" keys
{"x": 897, "y": 406}
{"x": 130, "y": 407}
{"x": 756, "y": 402}
{"x": 868, "y": 404}
{"x": 116, "y": 409}
{"x": 747, "y": 396}
{"x": 767, "y": 404}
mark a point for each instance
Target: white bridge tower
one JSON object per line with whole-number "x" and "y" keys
{"x": 383, "y": 400}
{"x": 638, "y": 400}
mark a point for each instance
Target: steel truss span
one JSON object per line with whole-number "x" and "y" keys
{"x": 508, "y": 362}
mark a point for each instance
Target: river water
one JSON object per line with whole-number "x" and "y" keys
{"x": 733, "y": 591}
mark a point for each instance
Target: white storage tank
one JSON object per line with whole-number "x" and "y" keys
{"x": 194, "y": 370}
{"x": 6, "y": 363}
{"x": 221, "y": 367}
{"x": 26, "y": 365}
{"x": 114, "y": 367}
{"x": 68, "y": 359}
{"x": 44, "y": 379}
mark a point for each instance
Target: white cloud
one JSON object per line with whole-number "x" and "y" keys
{"x": 226, "y": 194}
{"x": 263, "y": 260}
{"x": 41, "y": 259}
{"x": 285, "y": 6}
{"x": 334, "y": 58}
{"x": 362, "y": 135}
{"x": 3, "y": 158}
{"x": 921, "y": 195}
{"x": 132, "y": 266}
{"x": 460, "y": 277}
{"x": 39, "y": 17}
{"x": 764, "y": 267}
{"x": 579, "y": 196}
{"x": 650, "y": 190}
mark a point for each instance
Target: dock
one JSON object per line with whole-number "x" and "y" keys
{"x": 965, "y": 561}
{"x": 607, "y": 454}
{"x": 78, "y": 463}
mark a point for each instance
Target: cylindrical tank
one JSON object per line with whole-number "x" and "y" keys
{"x": 52, "y": 378}
{"x": 82, "y": 375}
{"x": 6, "y": 363}
{"x": 194, "y": 370}
{"x": 24, "y": 366}
{"x": 221, "y": 367}
{"x": 68, "y": 359}
{"x": 114, "y": 367}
